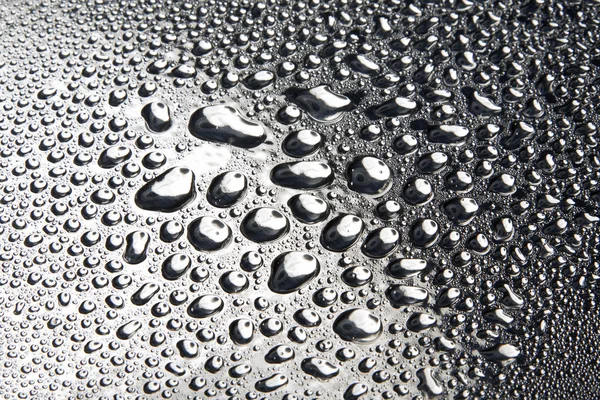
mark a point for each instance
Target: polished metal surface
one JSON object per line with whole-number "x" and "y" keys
{"x": 299, "y": 199}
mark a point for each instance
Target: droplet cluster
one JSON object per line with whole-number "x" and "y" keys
{"x": 315, "y": 199}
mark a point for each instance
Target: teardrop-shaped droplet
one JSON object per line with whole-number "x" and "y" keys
{"x": 291, "y": 271}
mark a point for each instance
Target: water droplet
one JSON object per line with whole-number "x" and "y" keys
{"x": 264, "y": 225}
{"x": 369, "y": 175}
{"x": 170, "y": 191}
{"x": 342, "y": 232}
{"x": 205, "y": 306}
{"x": 302, "y": 175}
{"x": 357, "y": 325}
{"x": 224, "y": 124}
{"x": 209, "y": 234}
{"x": 292, "y": 271}
{"x": 227, "y": 189}
{"x": 157, "y": 116}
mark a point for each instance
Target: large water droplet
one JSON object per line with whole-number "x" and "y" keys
{"x": 224, "y": 124}
{"x": 321, "y": 103}
{"x": 369, "y": 175}
{"x": 342, "y": 232}
{"x": 357, "y": 325}
{"x": 170, "y": 191}
{"x": 205, "y": 306}
{"x": 209, "y": 234}
{"x": 302, "y": 175}
{"x": 227, "y": 189}
{"x": 264, "y": 225}
{"x": 292, "y": 271}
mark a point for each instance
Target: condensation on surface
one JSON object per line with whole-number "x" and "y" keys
{"x": 284, "y": 199}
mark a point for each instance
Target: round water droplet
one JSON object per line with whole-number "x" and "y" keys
{"x": 157, "y": 116}
{"x": 357, "y": 325}
{"x": 369, "y": 175}
{"x": 209, "y": 234}
{"x": 205, "y": 306}
{"x": 302, "y": 143}
{"x": 227, "y": 189}
{"x": 424, "y": 233}
{"x": 264, "y": 225}
{"x": 417, "y": 191}
{"x": 357, "y": 276}
{"x": 241, "y": 331}
{"x": 341, "y": 233}
{"x": 292, "y": 271}
{"x": 233, "y": 282}
{"x": 176, "y": 266}
{"x": 308, "y": 209}
{"x": 381, "y": 242}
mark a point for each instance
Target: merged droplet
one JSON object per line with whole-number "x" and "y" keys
{"x": 321, "y": 103}
{"x": 481, "y": 105}
{"x": 501, "y": 353}
{"x": 224, "y": 124}
{"x": 404, "y": 295}
{"x": 188, "y": 348}
{"x": 319, "y": 368}
{"x": 447, "y": 134}
{"x": 428, "y": 383}
{"x": 302, "y": 175}
{"x": 168, "y": 192}
{"x": 503, "y": 229}
{"x": 271, "y": 383}
{"x": 363, "y": 64}
{"x": 406, "y": 267}
{"x": 396, "y": 107}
